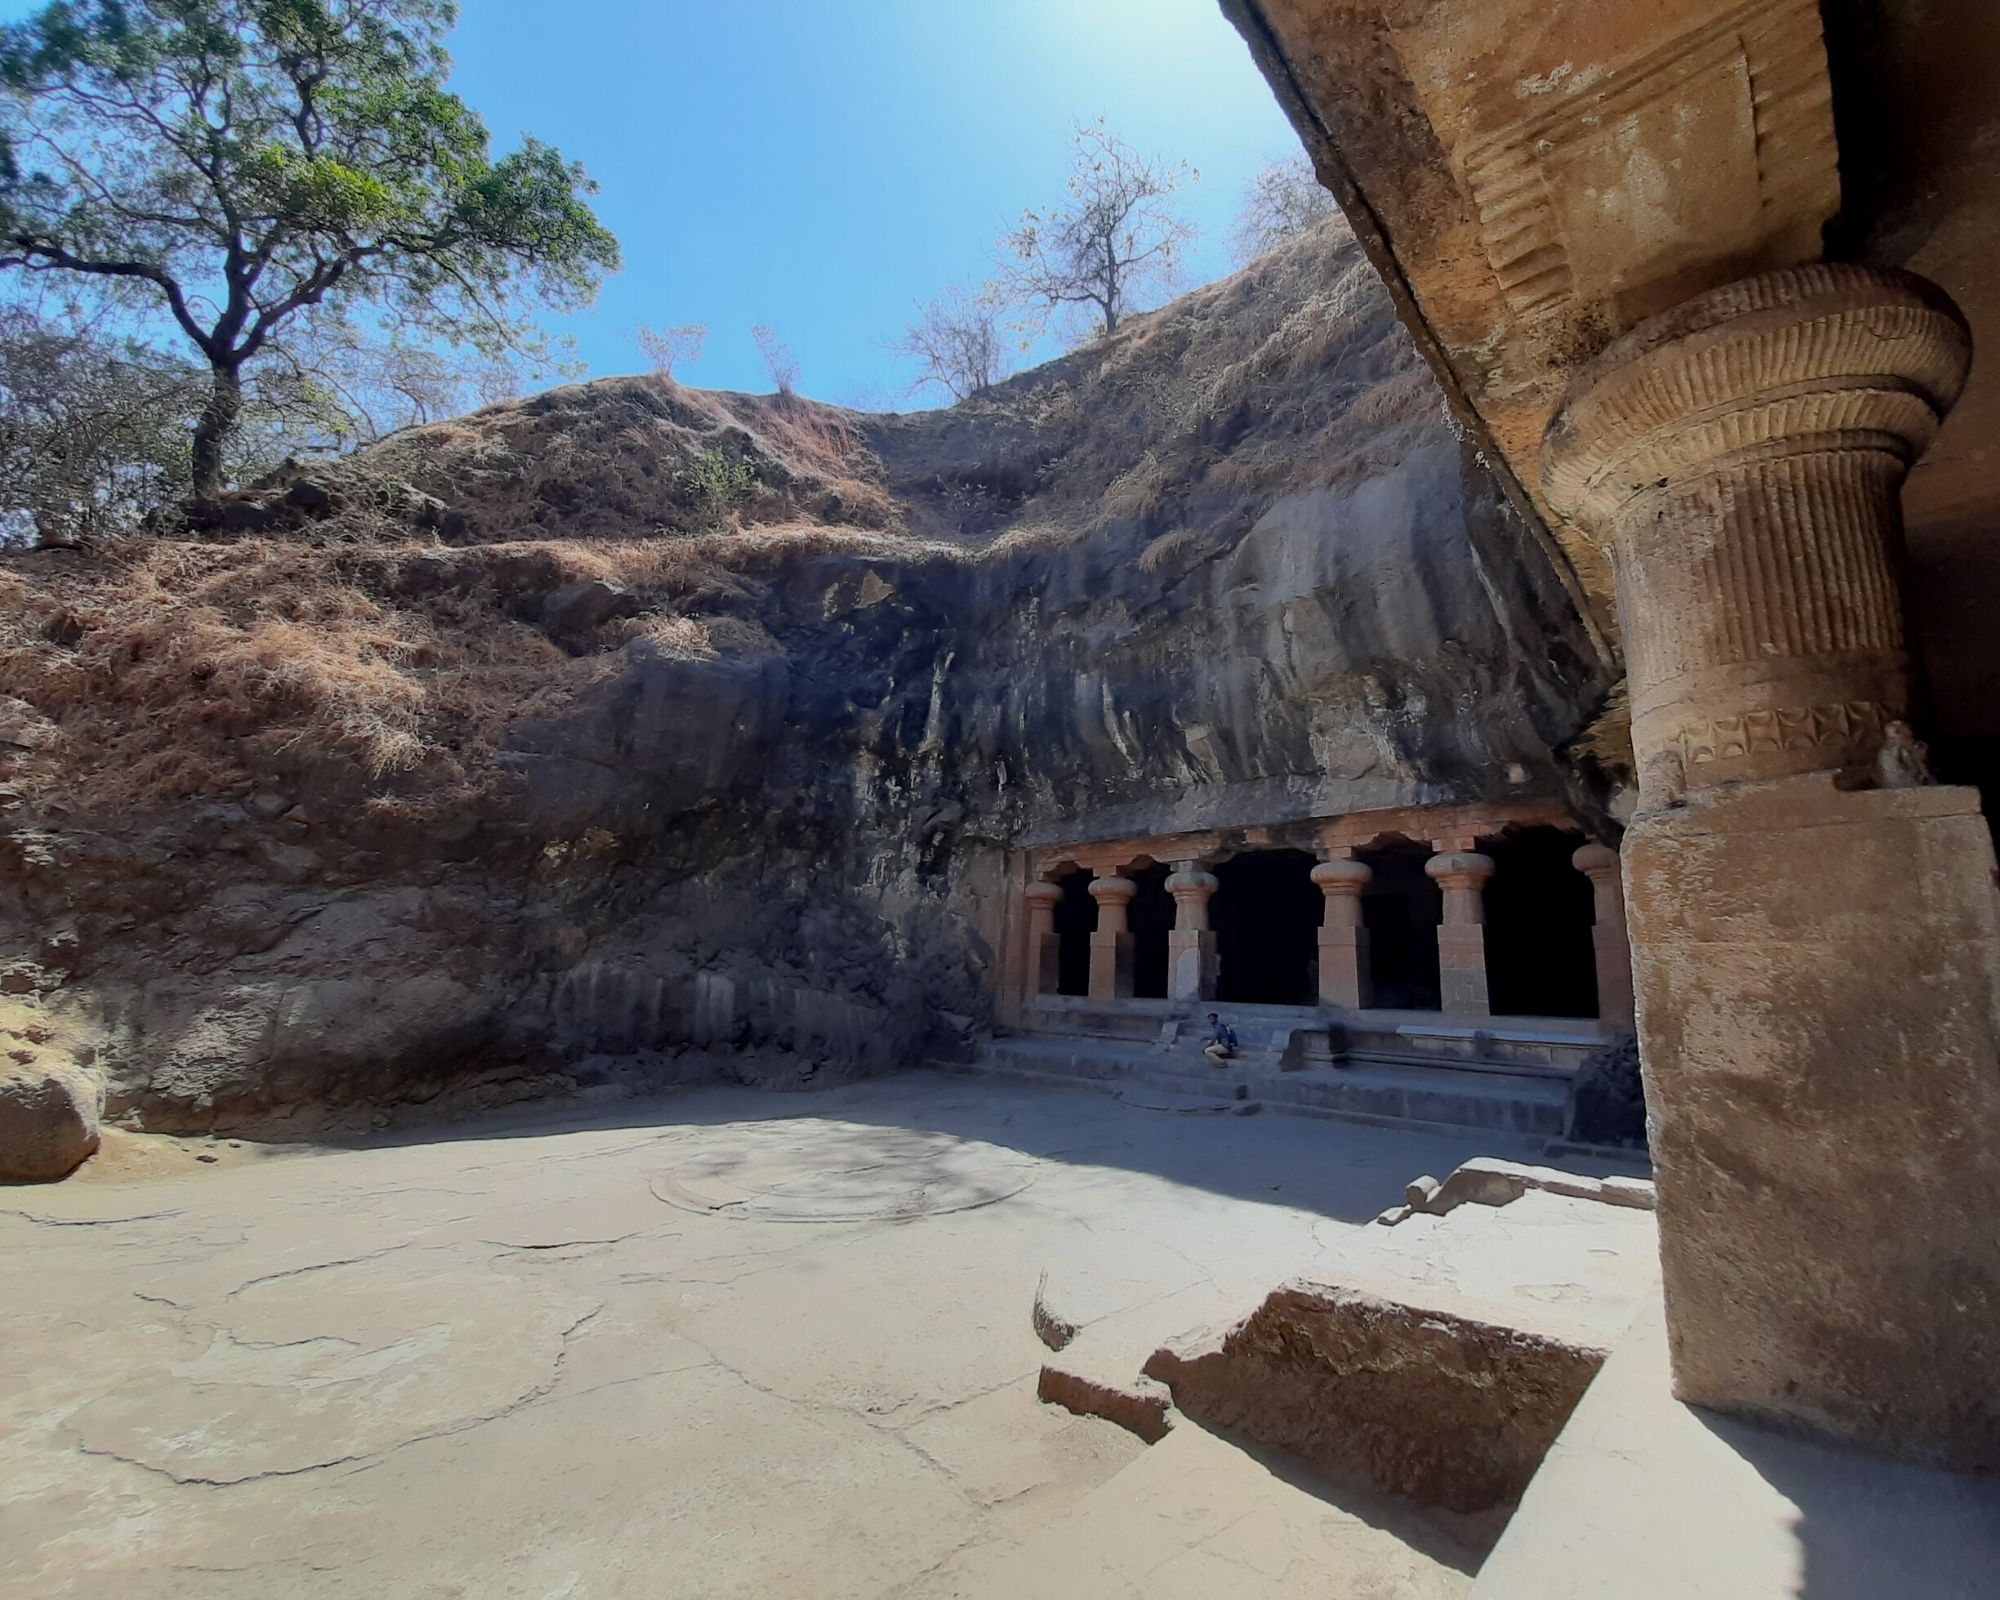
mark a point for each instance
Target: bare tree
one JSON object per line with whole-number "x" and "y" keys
{"x": 1114, "y": 237}
{"x": 778, "y": 359}
{"x": 1284, "y": 200}
{"x": 666, "y": 349}
{"x": 959, "y": 342}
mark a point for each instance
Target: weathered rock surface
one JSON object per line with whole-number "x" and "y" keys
{"x": 1450, "y": 1409}
{"x": 582, "y": 781}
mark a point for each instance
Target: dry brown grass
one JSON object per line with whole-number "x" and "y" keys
{"x": 173, "y": 670}
{"x": 387, "y": 650}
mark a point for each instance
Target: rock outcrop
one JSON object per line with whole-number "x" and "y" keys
{"x": 50, "y": 1101}
{"x": 629, "y": 734}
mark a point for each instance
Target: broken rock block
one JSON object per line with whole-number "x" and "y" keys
{"x": 1447, "y": 1408}
{"x": 1095, "y": 1381}
{"x": 48, "y": 1120}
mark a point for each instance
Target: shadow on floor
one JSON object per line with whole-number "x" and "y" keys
{"x": 1869, "y": 1529}
{"x": 1344, "y": 1171}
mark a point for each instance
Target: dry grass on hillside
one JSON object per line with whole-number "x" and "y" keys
{"x": 625, "y": 458}
{"x": 382, "y": 647}
{"x": 164, "y": 670}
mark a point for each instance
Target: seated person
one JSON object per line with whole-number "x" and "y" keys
{"x": 1221, "y": 1046}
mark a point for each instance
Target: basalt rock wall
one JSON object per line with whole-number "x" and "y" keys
{"x": 485, "y": 795}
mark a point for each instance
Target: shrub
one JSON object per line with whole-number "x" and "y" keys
{"x": 715, "y": 482}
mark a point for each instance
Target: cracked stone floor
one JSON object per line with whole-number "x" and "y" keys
{"x": 716, "y": 1344}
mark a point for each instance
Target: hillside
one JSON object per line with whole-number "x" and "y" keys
{"x": 488, "y": 751}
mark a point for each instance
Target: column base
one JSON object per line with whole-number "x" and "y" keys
{"x": 1462, "y": 970}
{"x": 1193, "y": 963}
{"x": 1111, "y": 966}
{"x": 1614, "y": 974}
{"x": 1818, "y": 978}
{"x": 1343, "y": 968}
{"x": 1048, "y": 965}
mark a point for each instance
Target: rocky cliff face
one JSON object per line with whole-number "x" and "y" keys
{"x": 633, "y": 734}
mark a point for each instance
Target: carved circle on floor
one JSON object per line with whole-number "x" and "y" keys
{"x": 850, "y": 1174}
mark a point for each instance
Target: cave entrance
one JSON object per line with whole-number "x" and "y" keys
{"x": 1151, "y": 919}
{"x": 1401, "y": 910}
{"x": 1076, "y": 920}
{"x": 1541, "y": 958}
{"x": 1266, "y": 914}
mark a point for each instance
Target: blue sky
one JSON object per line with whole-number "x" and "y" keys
{"x": 819, "y": 166}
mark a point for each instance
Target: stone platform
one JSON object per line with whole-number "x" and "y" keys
{"x": 1292, "y": 1069}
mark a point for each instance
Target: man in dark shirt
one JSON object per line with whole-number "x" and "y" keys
{"x": 1221, "y": 1046}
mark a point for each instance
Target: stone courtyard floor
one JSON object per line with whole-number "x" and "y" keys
{"x": 716, "y": 1344}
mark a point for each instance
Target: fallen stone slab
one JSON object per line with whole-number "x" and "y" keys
{"x": 1449, "y": 1409}
{"x": 1140, "y": 1405}
{"x": 1486, "y": 1181}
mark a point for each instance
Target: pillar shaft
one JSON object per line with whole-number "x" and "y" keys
{"x": 1344, "y": 978}
{"x": 1462, "y": 875}
{"x": 1111, "y": 944}
{"x": 1816, "y": 955}
{"x": 1192, "y": 958}
{"x": 1600, "y": 864}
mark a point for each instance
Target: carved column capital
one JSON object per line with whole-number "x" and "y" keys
{"x": 1191, "y": 888}
{"x": 1043, "y": 897}
{"x": 1343, "y": 878}
{"x": 1742, "y": 456}
{"x": 1462, "y": 870}
{"x": 1113, "y": 896}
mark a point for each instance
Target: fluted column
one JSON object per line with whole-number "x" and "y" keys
{"x": 1192, "y": 961}
{"x": 1111, "y": 944}
{"x": 1044, "y": 943}
{"x": 1742, "y": 457}
{"x": 1462, "y": 875}
{"x": 1815, "y": 938}
{"x": 1344, "y": 978}
{"x": 1599, "y": 863}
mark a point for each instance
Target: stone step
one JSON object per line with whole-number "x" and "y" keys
{"x": 1529, "y": 1103}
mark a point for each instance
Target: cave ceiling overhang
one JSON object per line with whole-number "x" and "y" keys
{"x": 1534, "y": 177}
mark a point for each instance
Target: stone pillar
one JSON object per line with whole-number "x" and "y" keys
{"x": 1599, "y": 863}
{"x": 1462, "y": 874}
{"x": 1192, "y": 959}
{"x": 1815, "y": 933}
{"x": 1111, "y": 944}
{"x": 1343, "y": 939}
{"x": 1044, "y": 943}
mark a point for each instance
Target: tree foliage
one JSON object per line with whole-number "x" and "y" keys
{"x": 247, "y": 161}
{"x": 93, "y": 431}
{"x": 1281, "y": 202}
{"x": 959, "y": 344}
{"x": 95, "y": 426}
{"x": 1114, "y": 238}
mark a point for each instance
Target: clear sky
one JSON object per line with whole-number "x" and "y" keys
{"x": 821, "y": 164}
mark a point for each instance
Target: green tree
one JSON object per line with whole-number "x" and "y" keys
{"x": 251, "y": 160}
